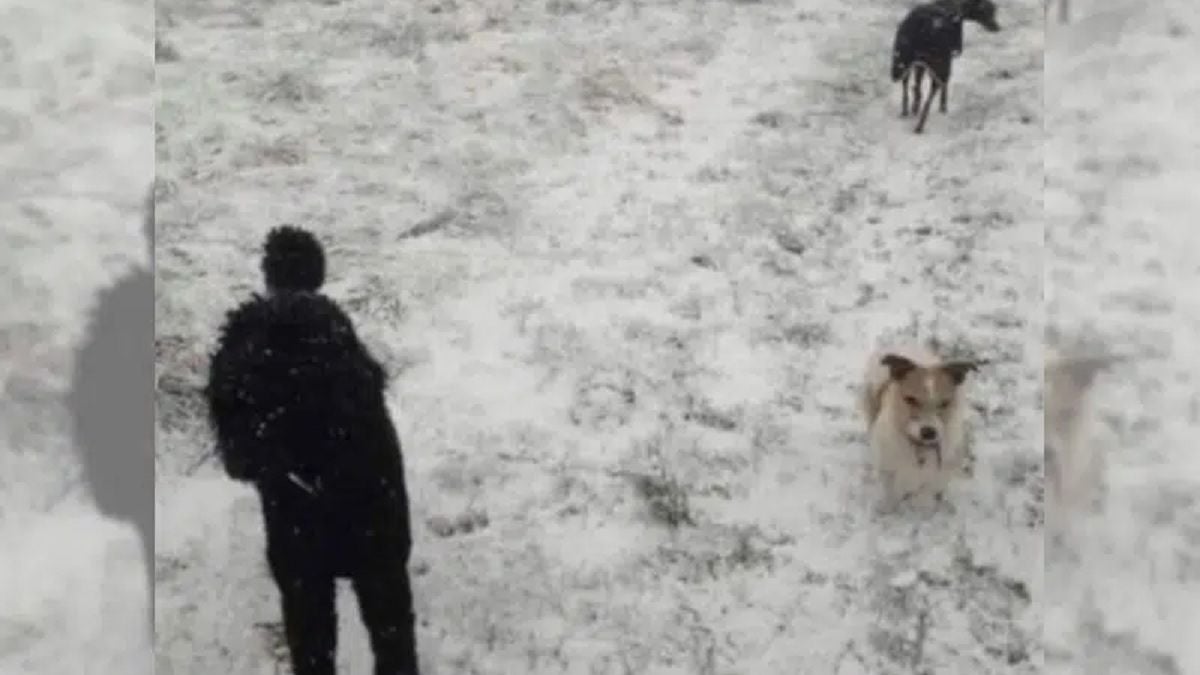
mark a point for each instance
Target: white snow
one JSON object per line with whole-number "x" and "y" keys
{"x": 1121, "y": 167}
{"x": 77, "y": 159}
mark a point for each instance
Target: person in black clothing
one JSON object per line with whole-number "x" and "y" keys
{"x": 298, "y": 407}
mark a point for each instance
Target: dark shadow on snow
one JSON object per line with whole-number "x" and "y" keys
{"x": 111, "y": 403}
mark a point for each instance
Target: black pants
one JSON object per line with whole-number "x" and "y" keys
{"x": 310, "y": 621}
{"x": 305, "y": 565}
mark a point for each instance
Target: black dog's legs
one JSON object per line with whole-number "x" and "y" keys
{"x": 904, "y": 93}
{"x": 385, "y": 599}
{"x": 934, "y": 85}
{"x": 918, "y": 75}
{"x": 310, "y": 620}
{"x": 944, "y": 86}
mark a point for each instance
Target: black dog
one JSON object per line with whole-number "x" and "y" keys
{"x": 111, "y": 403}
{"x": 298, "y": 407}
{"x": 928, "y": 39}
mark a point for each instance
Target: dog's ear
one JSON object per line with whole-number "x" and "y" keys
{"x": 957, "y": 370}
{"x": 898, "y": 365}
{"x": 981, "y": 11}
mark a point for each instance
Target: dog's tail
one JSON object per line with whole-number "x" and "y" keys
{"x": 902, "y": 46}
{"x": 901, "y": 58}
{"x": 293, "y": 260}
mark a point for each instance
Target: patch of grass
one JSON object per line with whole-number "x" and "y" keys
{"x": 406, "y": 40}
{"x": 565, "y": 7}
{"x": 284, "y": 150}
{"x": 374, "y": 299}
{"x": 664, "y": 493}
{"x": 482, "y": 209}
{"x": 275, "y": 639}
{"x": 165, "y": 52}
{"x": 180, "y": 402}
{"x": 702, "y": 639}
{"x": 772, "y": 119}
{"x": 667, "y": 499}
{"x": 289, "y": 88}
{"x": 604, "y": 400}
{"x": 808, "y": 334}
{"x": 750, "y": 549}
{"x": 703, "y": 413}
{"x": 464, "y": 523}
{"x": 606, "y": 89}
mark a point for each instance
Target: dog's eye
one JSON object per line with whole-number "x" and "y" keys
{"x": 912, "y": 401}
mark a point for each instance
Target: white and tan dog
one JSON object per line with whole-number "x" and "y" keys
{"x": 914, "y": 407}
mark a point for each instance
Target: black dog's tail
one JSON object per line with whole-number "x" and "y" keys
{"x": 901, "y": 57}
{"x": 908, "y": 35}
{"x": 898, "y": 68}
{"x": 293, "y": 260}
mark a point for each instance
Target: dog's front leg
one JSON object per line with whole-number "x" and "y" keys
{"x": 892, "y": 492}
{"x": 933, "y": 91}
{"x": 943, "y": 82}
{"x": 918, "y": 75}
{"x": 904, "y": 93}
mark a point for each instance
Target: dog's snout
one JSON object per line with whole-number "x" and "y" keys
{"x": 928, "y": 434}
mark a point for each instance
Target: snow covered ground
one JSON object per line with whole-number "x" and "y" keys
{"x": 626, "y": 260}
{"x": 1122, "y": 166}
{"x": 76, "y": 158}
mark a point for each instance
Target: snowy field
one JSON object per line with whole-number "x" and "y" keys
{"x": 626, "y": 261}
{"x": 76, "y": 158}
{"x": 1122, "y": 168}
